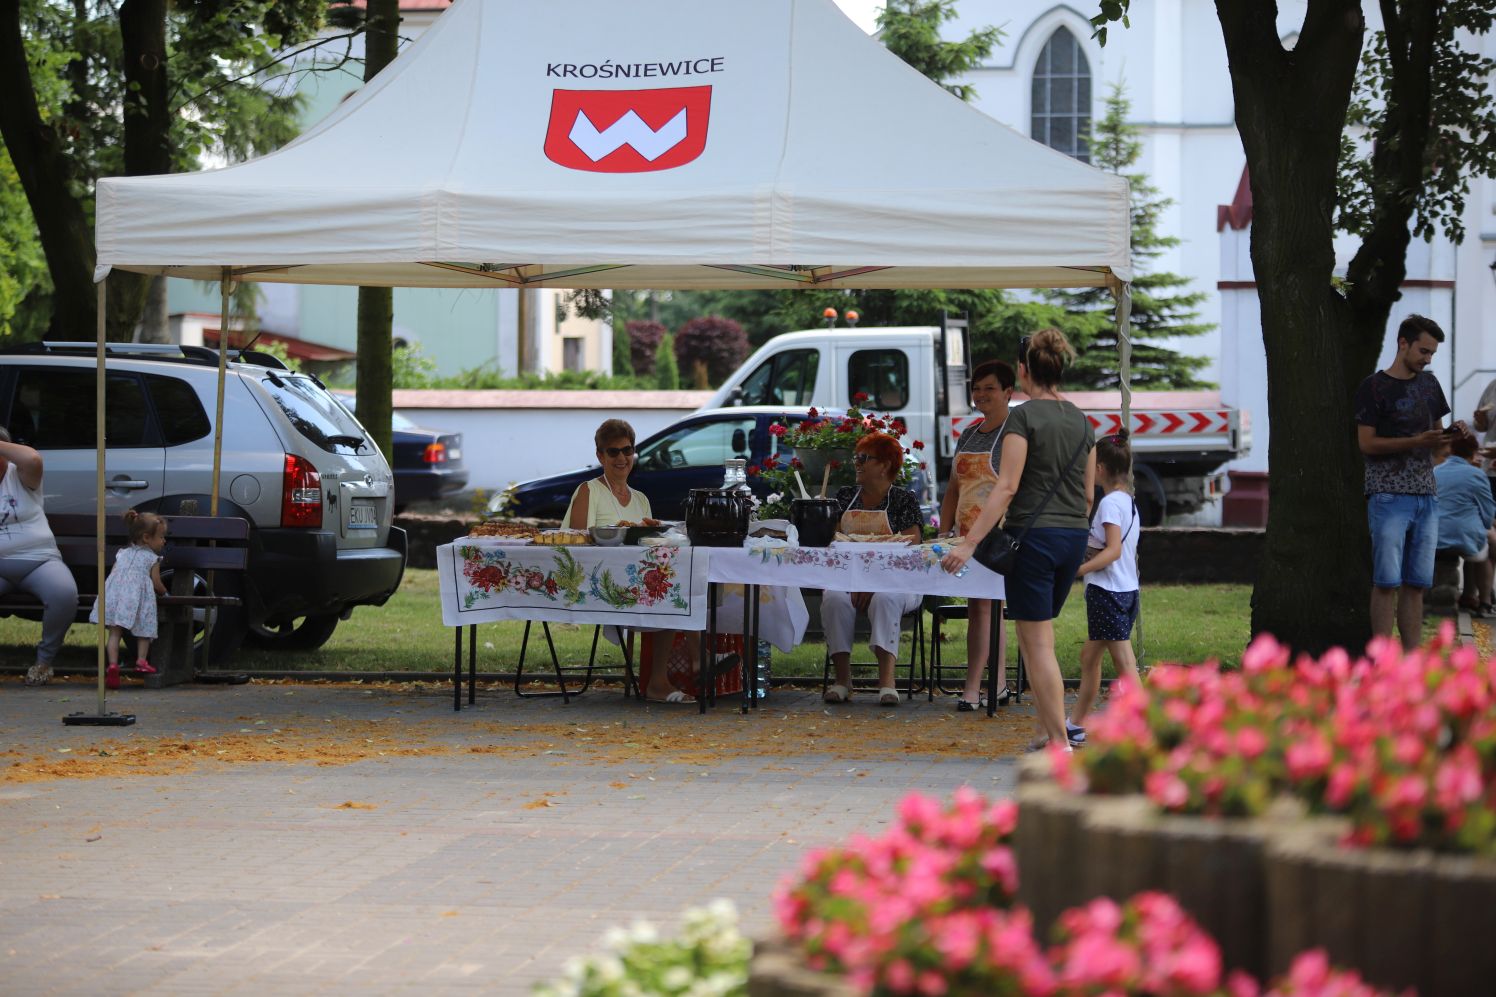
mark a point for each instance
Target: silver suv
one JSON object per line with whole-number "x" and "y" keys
{"x": 318, "y": 494}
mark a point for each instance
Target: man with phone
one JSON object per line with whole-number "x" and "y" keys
{"x": 1398, "y": 416}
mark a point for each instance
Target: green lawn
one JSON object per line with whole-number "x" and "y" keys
{"x": 1187, "y": 623}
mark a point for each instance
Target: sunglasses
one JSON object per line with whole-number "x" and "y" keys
{"x": 619, "y": 451}
{"x": 861, "y": 459}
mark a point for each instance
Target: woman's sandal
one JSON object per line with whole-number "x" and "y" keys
{"x": 837, "y": 694}
{"x": 888, "y": 696}
{"x": 964, "y": 705}
{"x": 144, "y": 667}
{"x": 676, "y": 697}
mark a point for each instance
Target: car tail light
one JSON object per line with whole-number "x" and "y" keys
{"x": 301, "y": 494}
{"x": 435, "y": 453}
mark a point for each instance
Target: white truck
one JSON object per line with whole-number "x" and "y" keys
{"x": 922, "y": 374}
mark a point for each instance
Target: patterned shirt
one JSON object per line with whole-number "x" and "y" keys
{"x": 1399, "y": 408}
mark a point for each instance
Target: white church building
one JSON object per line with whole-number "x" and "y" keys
{"x": 1048, "y": 78}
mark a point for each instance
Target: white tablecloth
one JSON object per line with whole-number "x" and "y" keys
{"x": 659, "y": 588}
{"x": 862, "y": 568}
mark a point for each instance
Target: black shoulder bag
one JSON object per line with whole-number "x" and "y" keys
{"x": 999, "y": 548}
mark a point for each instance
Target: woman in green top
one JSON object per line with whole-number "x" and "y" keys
{"x": 1044, "y": 484}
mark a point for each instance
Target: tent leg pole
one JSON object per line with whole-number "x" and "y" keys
{"x": 100, "y": 718}
{"x": 225, "y": 289}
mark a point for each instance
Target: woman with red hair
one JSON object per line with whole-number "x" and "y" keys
{"x": 875, "y": 505}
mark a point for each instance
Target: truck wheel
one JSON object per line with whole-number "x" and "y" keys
{"x": 306, "y": 633}
{"x": 1153, "y": 501}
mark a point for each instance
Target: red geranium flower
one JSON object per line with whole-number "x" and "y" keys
{"x": 919, "y": 444}
{"x": 813, "y": 413}
{"x": 860, "y": 397}
{"x": 776, "y": 429}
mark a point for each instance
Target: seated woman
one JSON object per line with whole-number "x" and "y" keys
{"x": 874, "y": 505}
{"x": 607, "y": 501}
{"x": 1466, "y": 510}
{"x": 29, "y": 558}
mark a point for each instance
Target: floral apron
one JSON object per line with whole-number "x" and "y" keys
{"x": 856, "y": 520}
{"x": 976, "y": 479}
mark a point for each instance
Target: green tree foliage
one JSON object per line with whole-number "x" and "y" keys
{"x": 623, "y": 361}
{"x": 910, "y": 29}
{"x": 1161, "y": 307}
{"x": 711, "y": 345}
{"x": 98, "y": 88}
{"x": 666, "y": 370}
{"x": 23, "y": 267}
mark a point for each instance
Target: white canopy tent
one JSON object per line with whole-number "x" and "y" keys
{"x": 653, "y": 144}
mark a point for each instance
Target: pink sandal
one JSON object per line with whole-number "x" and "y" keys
{"x": 144, "y": 667}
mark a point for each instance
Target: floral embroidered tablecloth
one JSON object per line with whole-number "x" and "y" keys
{"x": 483, "y": 582}
{"x": 845, "y": 568}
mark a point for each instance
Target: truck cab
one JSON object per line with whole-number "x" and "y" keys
{"x": 917, "y": 373}
{"x": 922, "y": 375}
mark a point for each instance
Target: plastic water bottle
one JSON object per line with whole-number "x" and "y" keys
{"x": 940, "y": 552}
{"x": 761, "y": 669}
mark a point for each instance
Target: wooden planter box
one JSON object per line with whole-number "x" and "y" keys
{"x": 1266, "y": 889}
{"x": 1403, "y": 918}
{"x": 1073, "y": 848}
{"x": 778, "y": 971}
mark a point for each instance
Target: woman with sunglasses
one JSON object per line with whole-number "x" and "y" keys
{"x": 608, "y": 500}
{"x": 1044, "y": 485}
{"x": 875, "y": 505}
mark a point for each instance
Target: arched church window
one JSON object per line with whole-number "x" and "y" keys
{"x": 1061, "y": 115}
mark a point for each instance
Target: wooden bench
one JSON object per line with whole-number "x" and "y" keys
{"x": 195, "y": 545}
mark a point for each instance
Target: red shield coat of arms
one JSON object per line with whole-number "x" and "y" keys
{"x": 627, "y": 131}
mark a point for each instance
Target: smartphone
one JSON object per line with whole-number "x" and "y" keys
{"x": 1451, "y": 431}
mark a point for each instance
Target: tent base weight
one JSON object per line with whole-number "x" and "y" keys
{"x": 99, "y": 719}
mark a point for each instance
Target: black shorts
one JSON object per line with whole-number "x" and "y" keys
{"x": 1110, "y": 615}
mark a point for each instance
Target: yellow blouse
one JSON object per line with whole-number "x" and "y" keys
{"x": 604, "y": 509}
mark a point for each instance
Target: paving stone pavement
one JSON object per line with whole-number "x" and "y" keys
{"x": 450, "y": 872}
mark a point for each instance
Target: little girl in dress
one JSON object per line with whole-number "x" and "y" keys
{"x": 130, "y": 593}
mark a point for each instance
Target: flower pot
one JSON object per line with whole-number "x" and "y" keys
{"x": 814, "y": 465}
{"x": 1402, "y": 917}
{"x": 1072, "y": 847}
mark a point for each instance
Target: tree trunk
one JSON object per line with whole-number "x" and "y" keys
{"x": 376, "y": 314}
{"x": 375, "y": 372}
{"x": 1314, "y": 585}
{"x": 47, "y": 176}
{"x": 155, "y": 323}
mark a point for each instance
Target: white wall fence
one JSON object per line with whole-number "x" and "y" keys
{"x": 512, "y": 436}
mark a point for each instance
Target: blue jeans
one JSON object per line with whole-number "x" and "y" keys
{"x": 1404, "y": 533}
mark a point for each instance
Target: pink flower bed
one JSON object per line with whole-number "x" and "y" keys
{"x": 929, "y": 909}
{"x": 1402, "y": 744}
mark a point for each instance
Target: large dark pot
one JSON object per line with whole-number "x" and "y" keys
{"x": 717, "y": 517}
{"x": 816, "y": 520}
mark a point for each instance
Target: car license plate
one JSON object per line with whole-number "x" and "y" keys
{"x": 363, "y": 516}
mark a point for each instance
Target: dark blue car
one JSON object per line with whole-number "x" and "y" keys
{"x": 688, "y": 454}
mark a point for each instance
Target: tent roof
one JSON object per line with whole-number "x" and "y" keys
{"x": 657, "y": 143}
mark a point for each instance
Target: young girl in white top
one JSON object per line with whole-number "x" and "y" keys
{"x": 1111, "y": 574}
{"x": 130, "y": 593}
